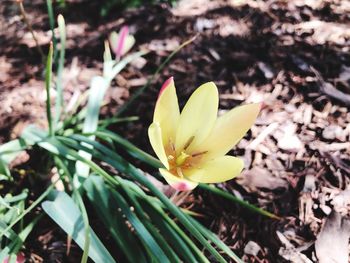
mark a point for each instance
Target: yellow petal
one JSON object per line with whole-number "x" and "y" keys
{"x": 228, "y": 130}
{"x": 198, "y": 117}
{"x": 180, "y": 184}
{"x": 218, "y": 170}
{"x": 167, "y": 111}
{"x": 155, "y": 137}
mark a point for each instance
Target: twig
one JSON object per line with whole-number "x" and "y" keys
{"x": 29, "y": 25}
{"x": 329, "y": 90}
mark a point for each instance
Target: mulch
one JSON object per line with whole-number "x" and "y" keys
{"x": 294, "y": 56}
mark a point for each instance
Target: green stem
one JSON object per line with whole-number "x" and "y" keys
{"x": 237, "y": 200}
{"x": 59, "y": 86}
{"x": 48, "y": 77}
{"x": 52, "y": 23}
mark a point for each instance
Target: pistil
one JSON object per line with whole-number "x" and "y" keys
{"x": 181, "y": 158}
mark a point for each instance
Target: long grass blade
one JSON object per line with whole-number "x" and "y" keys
{"x": 100, "y": 196}
{"x": 213, "y": 238}
{"x": 52, "y": 23}
{"x": 79, "y": 200}
{"x": 59, "y": 80}
{"x": 72, "y": 223}
{"x": 139, "y": 211}
{"x": 129, "y": 147}
{"x": 142, "y": 231}
{"x": 97, "y": 91}
{"x": 175, "y": 236}
{"x": 10, "y": 150}
{"x": 48, "y": 77}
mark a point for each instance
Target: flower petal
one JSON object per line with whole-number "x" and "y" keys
{"x": 228, "y": 130}
{"x": 198, "y": 117}
{"x": 167, "y": 111}
{"x": 155, "y": 137}
{"x": 180, "y": 184}
{"x": 218, "y": 170}
{"x": 124, "y": 32}
{"x": 128, "y": 44}
{"x": 113, "y": 41}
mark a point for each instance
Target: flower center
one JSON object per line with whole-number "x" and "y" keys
{"x": 181, "y": 159}
{"x": 179, "y": 162}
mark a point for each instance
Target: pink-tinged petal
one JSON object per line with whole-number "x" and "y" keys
{"x": 155, "y": 137}
{"x": 165, "y": 85}
{"x": 167, "y": 111}
{"x": 228, "y": 130}
{"x": 180, "y": 184}
{"x": 218, "y": 170}
{"x": 198, "y": 117}
{"x": 121, "y": 41}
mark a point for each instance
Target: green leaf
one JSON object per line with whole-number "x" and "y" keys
{"x": 129, "y": 147}
{"x": 48, "y": 78}
{"x": 72, "y": 223}
{"x": 212, "y": 237}
{"x": 100, "y": 196}
{"x": 51, "y": 21}
{"x": 26, "y": 211}
{"x": 10, "y": 150}
{"x": 15, "y": 245}
{"x": 10, "y": 234}
{"x": 120, "y": 164}
{"x": 98, "y": 88}
{"x": 181, "y": 243}
{"x": 59, "y": 80}
{"x": 108, "y": 156}
{"x": 4, "y": 170}
{"x": 141, "y": 230}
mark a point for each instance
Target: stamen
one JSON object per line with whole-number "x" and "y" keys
{"x": 172, "y": 146}
{"x": 188, "y": 143}
{"x": 170, "y": 157}
{"x": 199, "y": 154}
{"x": 179, "y": 172}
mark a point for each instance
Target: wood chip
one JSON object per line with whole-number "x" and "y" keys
{"x": 333, "y": 240}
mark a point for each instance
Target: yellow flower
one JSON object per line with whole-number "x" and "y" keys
{"x": 192, "y": 145}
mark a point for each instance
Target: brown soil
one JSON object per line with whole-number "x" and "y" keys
{"x": 292, "y": 55}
